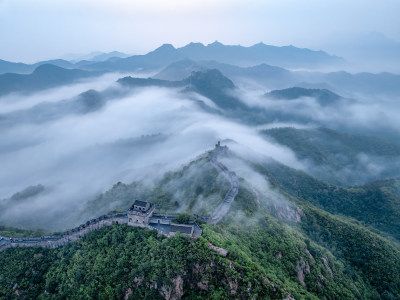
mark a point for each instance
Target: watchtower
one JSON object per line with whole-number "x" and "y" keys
{"x": 140, "y": 213}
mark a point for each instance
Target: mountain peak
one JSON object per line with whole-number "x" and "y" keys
{"x": 45, "y": 68}
{"x": 166, "y": 47}
{"x": 212, "y": 77}
{"x": 162, "y": 55}
{"x": 215, "y": 44}
{"x": 323, "y": 96}
{"x": 260, "y": 44}
{"x": 192, "y": 44}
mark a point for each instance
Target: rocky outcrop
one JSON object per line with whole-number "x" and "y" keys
{"x": 203, "y": 285}
{"x": 308, "y": 254}
{"x": 128, "y": 293}
{"x": 287, "y": 213}
{"x": 234, "y": 286}
{"x": 221, "y": 251}
{"x": 175, "y": 291}
{"x": 328, "y": 268}
{"x": 302, "y": 268}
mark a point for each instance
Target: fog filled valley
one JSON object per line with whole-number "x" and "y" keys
{"x": 316, "y": 151}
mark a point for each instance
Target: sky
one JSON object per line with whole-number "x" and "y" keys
{"x": 33, "y": 30}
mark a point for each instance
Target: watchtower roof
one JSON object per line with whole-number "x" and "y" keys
{"x": 140, "y": 203}
{"x": 142, "y": 207}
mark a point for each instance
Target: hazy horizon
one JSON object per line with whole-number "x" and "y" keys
{"x": 31, "y": 32}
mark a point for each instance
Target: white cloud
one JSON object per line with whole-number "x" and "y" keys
{"x": 79, "y": 156}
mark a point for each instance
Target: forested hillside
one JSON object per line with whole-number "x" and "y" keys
{"x": 283, "y": 244}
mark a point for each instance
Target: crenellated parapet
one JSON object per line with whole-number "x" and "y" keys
{"x": 54, "y": 241}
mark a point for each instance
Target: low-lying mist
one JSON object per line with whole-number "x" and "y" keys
{"x": 362, "y": 113}
{"x": 18, "y": 101}
{"x": 67, "y": 145}
{"x": 136, "y": 137}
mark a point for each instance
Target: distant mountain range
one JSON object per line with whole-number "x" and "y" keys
{"x": 287, "y": 56}
{"x": 94, "y": 56}
{"x": 182, "y": 69}
{"x": 272, "y": 77}
{"x": 45, "y": 76}
{"x": 21, "y": 68}
{"x": 261, "y": 64}
{"x": 323, "y": 96}
{"x": 69, "y": 62}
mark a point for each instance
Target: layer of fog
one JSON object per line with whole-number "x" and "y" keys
{"x": 146, "y": 133}
{"x": 366, "y": 114}
{"x": 17, "y": 101}
{"x": 268, "y": 198}
{"x": 79, "y": 156}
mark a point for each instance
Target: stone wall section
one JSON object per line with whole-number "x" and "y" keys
{"x": 66, "y": 237}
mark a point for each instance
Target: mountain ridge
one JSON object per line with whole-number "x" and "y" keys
{"x": 43, "y": 77}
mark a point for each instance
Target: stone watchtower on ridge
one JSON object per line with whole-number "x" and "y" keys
{"x": 140, "y": 213}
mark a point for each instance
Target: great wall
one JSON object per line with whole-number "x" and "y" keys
{"x": 225, "y": 205}
{"x": 163, "y": 223}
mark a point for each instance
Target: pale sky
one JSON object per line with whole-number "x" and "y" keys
{"x": 32, "y": 30}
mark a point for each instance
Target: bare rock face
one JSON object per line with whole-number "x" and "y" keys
{"x": 234, "y": 286}
{"x": 231, "y": 266}
{"x": 203, "y": 285}
{"x": 266, "y": 280}
{"x": 138, "y": 280}
{"x": 289, "y": 296}
{"x": 302, "y": 267}
{"x": 300, "y": 275}
{"x": 128, "y": 293}
{"x": 248, "y": 290}
{"x": 308, "y": 254}
{"x": 328, "y": 268}
{"x": 178, "y": 288}
{"x": 288, "y": 213}
{"x": 166, "y": 292}
{"x": 174, "y": 292}
{"x": 221, "y": 251}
